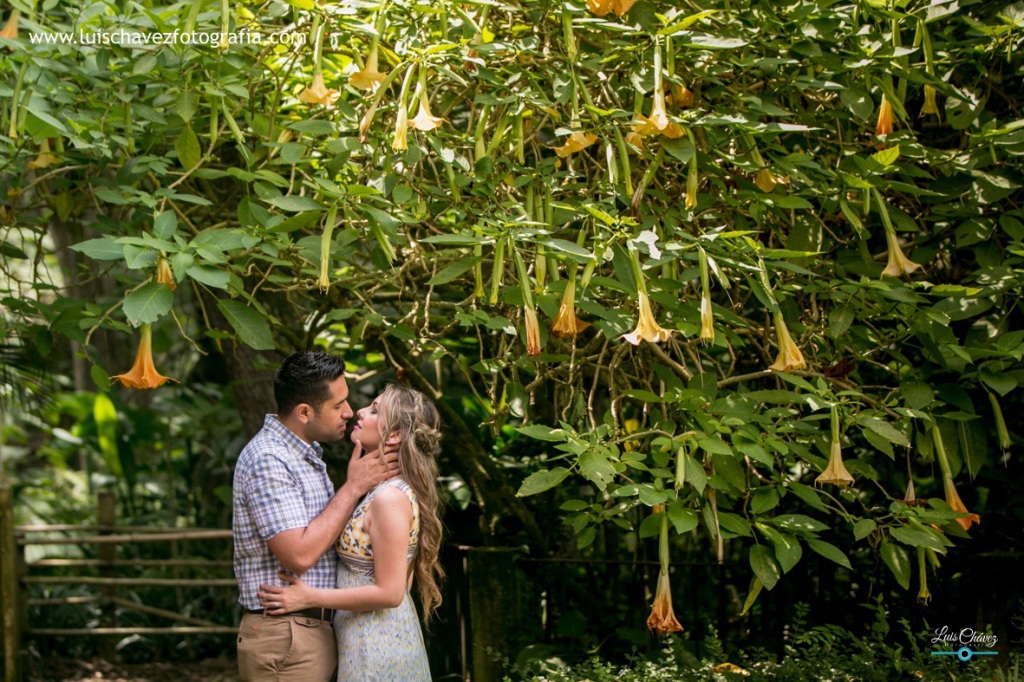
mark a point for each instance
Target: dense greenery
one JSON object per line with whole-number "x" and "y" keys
{"x": 793, "y": 232}
{"x": 811, "y": 654}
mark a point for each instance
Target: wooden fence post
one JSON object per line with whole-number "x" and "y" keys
{"x": 495, "y": 610}
{"x": 106, "y": 515}
{"x": 10, "y": 596}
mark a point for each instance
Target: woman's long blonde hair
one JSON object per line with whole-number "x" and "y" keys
{"x": 413, "y": 417}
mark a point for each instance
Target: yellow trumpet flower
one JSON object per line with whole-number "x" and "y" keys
{"x": 956, "y": 504}
{"x": 923, "y": 595}
{"x": 164, "y": 275}
{"x": 367, "y": 78}
{"x": 835, "y": 473}
{"x": 663, "y": 618}
{"x": 647, "y": 327}
{"x": 10, "y": 29}
{"x": 767, "y": 181}
{"x": 658, "y": 122}
{"x": 143, "y": 373}
{"x": 930, "y": 106}
{"x": 707, "y": 319}
{"x": 636, "y": 139}
{"x": 401, "y": 130}
{"x": 691, "y": 184}
{"x": 952, "y": 497}
{"x": 682, "y": 96}
{"x": 317, "y": 93}
{"x": 532, "y": 332}
{"x": 576, "y": 142}
{"x": 898, "y": 264}
{"x": 603, "y": 7}
{"x": 566, "y": 323}
{"x": 364, "y": 123}
{"x": 884, "y": 125}
{"x": 789, "y": 357}
{"x": 423, "y": 119}
{"x": 44, "y": 160}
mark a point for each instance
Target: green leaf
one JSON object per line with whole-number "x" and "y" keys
{"x": 596, "y": 467}
{"x": 251, "y": 328}
{"x": 578, "y": 253}
{"x": 764, "y": 566}
{"x": 858, "y": 101}
{"x": 296, "y": 222}
{"x": 144, "y": 64}
{"x": 686, "y": 23}
{"x": 734, "y": 523}
{"x": 682, "y": 149}
{"x": 1000, "y": 383}
{"x": 764, "y": 500}
{"x": 918, "y": 395}
{"x": 295, "y": 204}
{"x": 886, "y": 431}
{"x": 651, "y": 526}
{"x": 916, "y": 538}
{"x": 110, "y": 196}
{"x": 210, "y": 276}
{"x": 683, "y": 520}
{"x": 35, "y": 110}
{"x": 540, "y": 481}
{"x": 695, "y": 475}
{"x": 718, "y": 43}
{"x": 314, "y": 127}
{"x": 798, "y": 523}
{"x": 457, "y": 239}
{"x": 541, "y": 432}
{"x": 714, "y": 445}
{"x": 898, "y": 561}
{"x": 839, "y": 321}
{"x": 165, "y": 225}
{"x": 586, "y": 537}
{"x": 755, "y": 590}
{"x": 863, "y": 528}
{"x": 642, "y": 395}
{"x": 105, "y": 415}
{"x": 829, "y": 551}
{"x": 807, "y": 494}
{"x": 187, "y": 146}
{"x": 454, "y": 270}
{"x": 148, "y": 303}
{"x": 787, "y": 547}
{"x": 100, "y": 377}
{"x": 103, "y": 248}
{"x": 887, "y": 157}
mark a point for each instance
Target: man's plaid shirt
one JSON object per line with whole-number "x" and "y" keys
{"x": 280, "y": 483}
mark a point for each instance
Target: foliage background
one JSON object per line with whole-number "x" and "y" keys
{"x": 287, "y": 223}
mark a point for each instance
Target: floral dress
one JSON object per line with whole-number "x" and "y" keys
{"x": 377, "y": 645}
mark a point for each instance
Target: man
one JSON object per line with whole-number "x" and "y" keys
{"x": 287, "y": 516}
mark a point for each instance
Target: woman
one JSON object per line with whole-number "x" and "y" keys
{"x": 391, "y": 541}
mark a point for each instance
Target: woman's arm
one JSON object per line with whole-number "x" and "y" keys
{"x": 388, "y": 522}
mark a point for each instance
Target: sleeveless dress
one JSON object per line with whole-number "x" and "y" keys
{"x": 384, "y": 645}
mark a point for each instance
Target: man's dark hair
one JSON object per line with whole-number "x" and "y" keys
{"x": 304, "y": 377}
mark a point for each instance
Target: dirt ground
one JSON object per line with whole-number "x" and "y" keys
{"x": 221, "y": 669}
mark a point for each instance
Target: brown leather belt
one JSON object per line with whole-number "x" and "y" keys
{"x": 320, "y": 614}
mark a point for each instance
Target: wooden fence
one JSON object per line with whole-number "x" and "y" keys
{"x": 17, "y": 575}
{"x": 482, "y": 601}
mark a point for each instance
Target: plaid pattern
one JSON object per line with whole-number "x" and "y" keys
{"x": 280, "y": 483}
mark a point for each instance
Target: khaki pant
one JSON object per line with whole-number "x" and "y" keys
{"x": 286, "y": 649}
